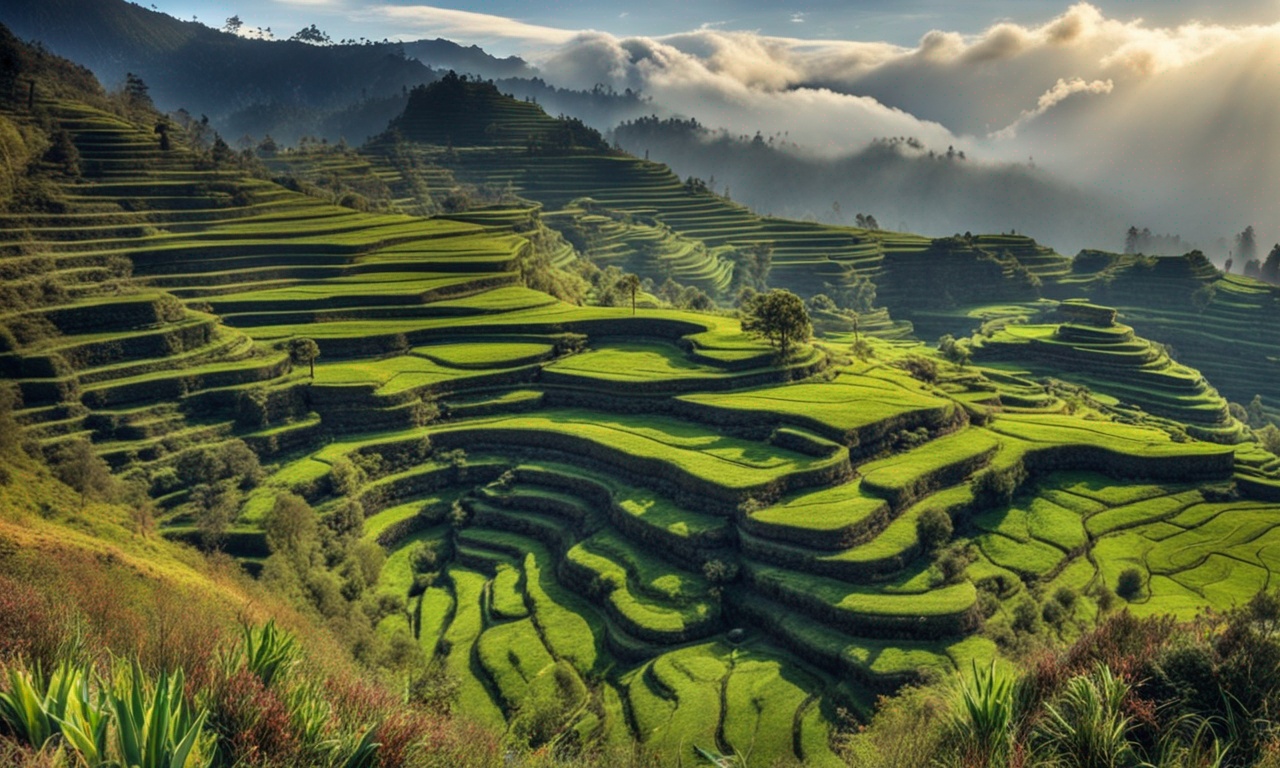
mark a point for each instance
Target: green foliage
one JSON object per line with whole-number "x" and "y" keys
{"x": 76, "y": 464}
{"x": 995, "y": 487}
{"x": 933, "y": 528}
{"x": 35, "y": 708}
{"x": 920, "y": 367}
{"x": 1088, "y": 724}
{"x": 1129, "y": 585}
{"x": 290, "y": 526}
{"x": 957, "y": 352}
{"x": 1026, "y": 616}
{"x": 305, "y": 352}
{"x": 779, "y": 316}
{"x": 753, "y": 265}
{"x": 10, "y": 401}
{"x": 981, "y": 730}
{"x": 155, "y": 727}
{"x": 268, "y": 652}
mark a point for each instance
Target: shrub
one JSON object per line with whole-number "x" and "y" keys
{"x": 345, "y": 477}
{"x": 953, "y": 561}
{"x": 1129, "y": 585}
{"x": 290, "y": 526}
{"x": 425, "y": 557}
{"x": 1053, "y": 613}
{"x": 1026, "y": 616}
{"x": 76, "y": 464}
{"x": 232, "y": 460}
{"x": 10, "y": 401}
{"x": 982, "y": 728}
{"x": 994, "y": 488}
{"x": 251, "y": 408}
{"x": 32, "y": 627}
{"x": 934, "y": 529}
{"x": 919, "y": 367}
{"x": 954, "y": 351}
{"x": 346, "y": 520}
{"x": 719, "y": 572}
{"x": 216, "y": 506}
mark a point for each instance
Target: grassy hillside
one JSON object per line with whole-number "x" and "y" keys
{"x": 588, "y": 527}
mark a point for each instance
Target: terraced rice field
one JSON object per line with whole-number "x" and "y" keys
{"x": 648, "y": 526}
{"x": 1113, "y": 361}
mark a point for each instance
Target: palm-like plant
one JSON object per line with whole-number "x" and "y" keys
{"x": 268, "y": 651}
{"x": 26, "y": 707}
{"x": 630, "y": 282}
{"x": 155, "y": 727}
{"x": 37, "y": 709}
{"x": 84, "y": 717}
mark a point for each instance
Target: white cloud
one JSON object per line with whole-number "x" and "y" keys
{"x": 1177, "y": 119}
{"x": 420, "y": 20}
{"x": 1060, "y": 92}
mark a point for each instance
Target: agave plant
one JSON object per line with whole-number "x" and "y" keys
{"x": 268, "y": 651}
{"x": 155, "y": 727}
{"x": 24, "y": 707}
{"x": 84, "y": 718}
{"x": 37, "y": 709}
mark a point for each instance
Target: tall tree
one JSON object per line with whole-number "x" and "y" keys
{"x": 311, "y": 34}
{"x": 1246, "y": 244}
{"x": 79, "y": 466}
{"x": 779, "y": 316}
{"x": 1271, "y": 266}
{"x": 630, "y": 282}
{"x": 136, "y": 92}
{"x": 305, "y": 351}
{"x": 1131, "y": 240}
{"x": 753, "y": 264}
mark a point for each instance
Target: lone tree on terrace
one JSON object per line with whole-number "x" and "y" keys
{"x": 779, "y": 316}
{"x": 630, "y": 283}
{"x": 305, "y": 351}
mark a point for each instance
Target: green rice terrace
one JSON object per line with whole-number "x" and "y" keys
{"x": 611, "y": 524}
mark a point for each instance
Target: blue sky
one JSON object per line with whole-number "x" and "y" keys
{"x": 902, "y": 22}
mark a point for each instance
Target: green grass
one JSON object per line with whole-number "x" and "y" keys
{"x": 508, "y": 595}
{"x": 634, "y": 362}
{"x": 650, "y": 594}
{"x": 474, "y": 696}
{"x": 688, "y": 447}
{"x": 828, "y": 511}
{"x": 512, "y": 655}
{"x": 849, "y": 403}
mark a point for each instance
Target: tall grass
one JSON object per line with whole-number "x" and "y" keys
{"x": 983, "y": 719}
{"x": 1088, "y": 726}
